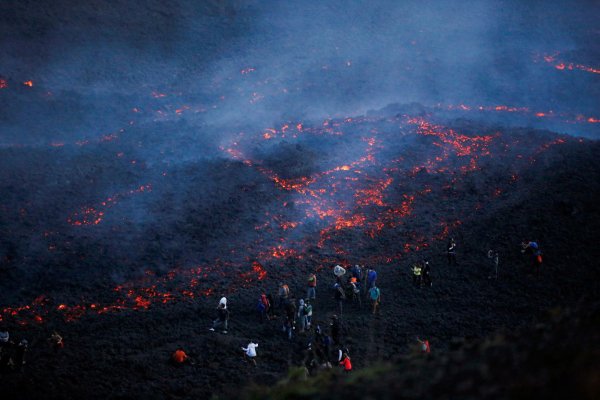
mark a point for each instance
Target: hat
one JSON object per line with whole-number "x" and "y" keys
{"x": 4, "y": 337}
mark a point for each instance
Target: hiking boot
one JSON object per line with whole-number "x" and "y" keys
{"x": 224, "y": 332}
{"x": 211, "y": 329}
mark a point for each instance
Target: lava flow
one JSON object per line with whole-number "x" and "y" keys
{"x": 95, "y": 214}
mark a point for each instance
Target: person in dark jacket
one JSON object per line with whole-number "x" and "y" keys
{"x": 222, "y": 319}
{"x": 336, "y": 330}
{"x": 426, "y": 274}
{"x": 451, "y": 252}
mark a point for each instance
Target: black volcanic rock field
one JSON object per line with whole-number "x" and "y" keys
{"x": 168, "y": 156}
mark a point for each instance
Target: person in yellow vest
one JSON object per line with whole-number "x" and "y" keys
{"x": 417, "y": 274}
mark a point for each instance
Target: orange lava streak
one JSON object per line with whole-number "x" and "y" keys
{"x": 93, "y": 215}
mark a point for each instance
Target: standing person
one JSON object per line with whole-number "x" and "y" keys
{"x": 290, "y": 318}
{"x": 355, "y": 287}
{"x": 302, "y": 315}
{"x": 340, "y": 296}
{"x": 261, "y": 310}
{"x": 375, "y": 295}
{"x": 250, "y": 352}
{"x": 271, "y": 307}
{"x": 336, "y": 330}
{"x": 284, "y": 294}
{"x": 5, "y": 346}
{"x": 495, "y": 258}
{"x": 371, "y": 278}
{"x": 357, "y": 272}
{"x": 452, "y": 252}
{"x": 416, "y": 269}
{"x": 309, "y": 312}
{"x": 311, "y": 287}
{"x": 426, "y": 274}
{"x": 20, "y": 352}
{"x": 222, "y": 319}
{"x": 265, "y": 300}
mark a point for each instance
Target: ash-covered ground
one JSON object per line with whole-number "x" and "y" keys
{"x": 155, "y": 157}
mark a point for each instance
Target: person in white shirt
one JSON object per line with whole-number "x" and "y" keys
{"x": 250, "y": 351}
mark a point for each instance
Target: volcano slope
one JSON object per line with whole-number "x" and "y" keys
{"x": 124, "y": 245}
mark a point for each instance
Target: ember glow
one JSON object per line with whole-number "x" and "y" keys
{"x": 94, "y": 215}
{"x": 562, "y": 65}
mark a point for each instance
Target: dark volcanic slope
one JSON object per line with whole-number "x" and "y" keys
{"x": 128, "y": 275}
{"x": 155, "y": 155}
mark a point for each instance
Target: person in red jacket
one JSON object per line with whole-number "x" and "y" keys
{"x": 179, "y": 357}
{"x": 346, "y": 363}
{"x": 424, "y": 346}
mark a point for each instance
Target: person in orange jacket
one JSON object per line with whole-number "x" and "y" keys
{"x": 179, "y": 357}
{"x": 346, "y": 363}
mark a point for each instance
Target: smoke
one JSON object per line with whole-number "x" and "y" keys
{"x": 308, "y": 61}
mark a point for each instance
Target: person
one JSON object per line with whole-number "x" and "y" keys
{"x": 323, "y": 343}
{"x": 371, "y": 278}
{"x": 267, "y": 304}
{"x": 179, "y": 357}
{"x": 312, "y": 285}
{"x": 416, "y": 269}
{"x": 21, "y": 350}
{"x": 424, "y": 345}
{"x": 355, "y": 289}
{"x": 452, "y": 252}
{"x": 340, "y": 296}
{"x": 250, "y": 352}
{"x": 290, "y": 320}
{"x": 5, "y": 350}
{"x": 302, "y": 315}
{"x": 309, "y": 312}
{"x": 346, "y": 363}
{"x": 222, "y": 318}
{"x": 536, "y": 254}
{"x": 56, "y": 341}
{"x": 375, "y": 295}
{"x": 357, "y": 273}
{"x": 426, "y": 274}
{"x": 261, "y": 309}
{"x": 493, "y": 256}
{"x": 271, "y": 306}
{"x": 336, "y": 330}
{"x": 284, "y": 293}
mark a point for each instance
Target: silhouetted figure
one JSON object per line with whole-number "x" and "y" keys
{"x": 222, "y": 319}
{"x": 452, "y": 252}
{"x": 426, "y": 274}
